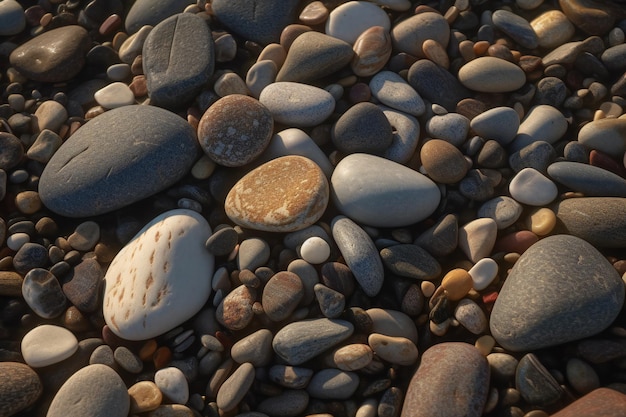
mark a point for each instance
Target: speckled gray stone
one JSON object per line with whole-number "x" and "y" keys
{"x": 152, "y": 12}
{"x": 441, "y": 238}
{"x": 410, "y": 261}
{"x": 516, "y": 27}
{"x": 537, "y": 155}
{"x": 362, "y": 128}
{"x": 333, "y": 384}
{"x": 535, "y": 383}
{"x": 590, "y": 180}
{"x": 147, "y": 150}
{"x": 560, "y": 290}
{"x": 436, "y": 84}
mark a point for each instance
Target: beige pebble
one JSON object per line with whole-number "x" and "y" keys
{"x": 528, "y": 4}
{"x": 439, "y": 329}
{"x": 28, "y": 202}
{"x": 203, "y": 168}
{"x": 172, "y": 410}
{"x": 372, "y": 50}
{"x": 485, "y": 344}
{"x": 353, "y": 357}
{"x": 428, "y": 288}
{"x": 581, "y": 376}
{"x": 541, "y": 221}
{"x": 491, "y": 75}
{"x": 457, "y": 284}
{"x": 436, "y": 53}
{"x": 49, "y": 115}
{"x": 314, "y": 13}
{"x": 133, "y": 45}
{"x": 553, "y": 29}
{"x": 144, "y": 396}
{"x": 274, "y": 52}
{"x": 396, "y": 350}
{"x": 230, "y": 83}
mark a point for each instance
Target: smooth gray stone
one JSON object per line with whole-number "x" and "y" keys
{"x": 536, "y": 385}
{"x": 333, "y": 384}
{"x": 538, "y": 155}
{"x": 436, "y": 84}
{"x": 176, "y": 69}
{"x": 441, "y": 239}
{"x": 43, "y": 294}
{"x": 503, "y": 209}
{"x": 147, "y": 150}
{"x": 362, "y": 128}
{"x": 500, "y": 123}
{"x": 516, "y": 27}
{"x": 30, "y": 255}
{"x": 560, "y": 290}
{"x": 615, "y": 58}
{"x": 82, "y": 286}
{"x": 360, "y": 254}
{"x": 258, "y": 21}
{"x": 600, "y": 221}
{"x": 12, "y": 18}
{"x": 410, "y": 261}
{"x": 152, "y": 12}
{"x": 590, "y": 180}
{"x": 575, "y": 151}
{"x": 300, "y": 341}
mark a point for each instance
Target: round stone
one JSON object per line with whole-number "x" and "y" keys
{"x": 444, "y": 163}
{"x": 531, "y": 187}
{"x": 362, "y": 128}
{"x": 281, "y": 295}
{"x": 541, "y": 221}
{"x": 144, "y": 396}
{"x": 349, "y": 20}
{"x": 491, "y": 75}
{"x": 297, "y": 104}
{"x": 48, "y": 344}
{"x": 172, "y": 384}
{"x": 315, "y": 250}
{"x": 504, "y": 210}
{"x": 451, "y": 127}
{"x": 457, "y": 283}
{"x": 333, "y": 384}
{"x": 410, "y": 34}
{"x": 483, "y": 273}
{"x": 499, "y": 123}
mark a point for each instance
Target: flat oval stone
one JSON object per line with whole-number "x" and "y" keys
{"x": 393, "y": 91}
{"x": 150, "y": 12}
{"x": 531, "y": 187}
{"x": 353, "y": 357}
{"x": 372, "y": 50}
{"x": 483, "y": 273}
{"x": 43, "y": 294}
{"x": 588, "y": 179}
{"x": 114, "y": 95}
{"x": 283, "y": 195}
{"x": 300, "y": 341}
{"x": 95, "y": 390}
{"x": 21, "y": 387}
{"x": 297, "y": 104}
{"x": 516, "y": 27}
{"x": 534, "y": 290}
{"x": 281, "y": 295}
{"x": 499, "y": 123}
{"x": 537, "y": 155}
{"x": 542, "y": 123}
{"x": 552, "y": 28}
{"x": 411, "y": 261}
{"x": 396, "y": 350}
{"x": 436, "y": 84}
{"x": 235, "y": 310}
{"x": 256, "y": 348}
{"x": 149, "y": 287}
{"x": 410, "y": 34}
{"x": 235, "y": 387}
{"x": 12, "y": 18}
{"x": 139, "y": 138}
{"x": 349, "y": 20}
{"x": 333, "y": 384}
{"x": 392, "y": 323}
{"x": 360, "y": 181}
{"x": 54, "y": 56}
{"x": 176, "y": 73}
{"x": 600, "y": 221}
{"x": 535, "y": 384}
{"x": 448, "y": 370}
{"x": 471, "y": 316}
{"x": 491, "y": 75}
{"x": 362, "y": 128}
{"x": 599, "y": 402}
{"x": 503, "y": 210}
{"x": 444, "y": 163}
{"x": 48, "y": 344}
{"x": 605, "y": 135}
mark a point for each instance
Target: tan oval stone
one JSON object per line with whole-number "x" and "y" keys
{"x": 396, "y": 350}
{"x": 541, "y": 221}
{"x": 281, "y": 295}
{"x": 353, "y": 357}
{"x": 436, "y": 53}
{"x": 144, "y": 396}
{"x": 172, "y": 410}
{"x": 443, "y": 162}
{"x": 283, "y": 195}
{"x": 491, "y": 75}
{"x": 553, "y": 29}
{"x": 457, "y": 283}
{"x": 372, "y": 50}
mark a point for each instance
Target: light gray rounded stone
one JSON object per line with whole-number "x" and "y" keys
{"x": 504, "y": 210}
{"x": 499, "y": 123}
{"x": 542, "y": 123}
{"x": 451, "y": 127}
{"x": 393, "y": 91}
{"x": 152, "y": 12}
{"x": 253, "y": 253}
{"x": 406, "y": 134}
{"x": 333, "y": 384}
{"x": 296, "y": 104}
{"x": 605, "y": 135}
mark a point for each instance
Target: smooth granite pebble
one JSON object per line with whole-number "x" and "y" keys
{"x": 499, "y": 123}
{"x": 443, "y": 162}
{"x": 542, "y": 123}
{"x": 436, "y": 84}
{"x": 166, "y": 289}
{"x": 235, "y": 311}
{"x": 406, "y": 134}
{"x": 491, "y": 75}
{"x": 235, "y": 387}
{"x": 139, "y": 138}
{"x": 82, "y": 285}
{"x": 144, "y": 396}
{"x": 537, "y": 155}
{"x": 48, "y": 344}
{"x": 392, "y": 90}
{"x": 362, "y": 128}
{"x": 451, "y": 127}
{"x": 21, "y": 386}
{"x": 149, "y": 12}
{"x": 600, "y": 402}
{"x": 297, "y": 104}
{"x": 483, "y": 273}
{"x": 605, "y": 135}
{"x": 441, "y": 238}
{"x": 534, "y": 290}
{"x": 392, "y": 323}
{"x": 331, "y": 302}
{"x": 114, "y": 95}
{"x": 281, "y": 295}
{"x": 471, "y": 316}
{"x": 411, "y": 261}
{"x": 50, "y": 115}
{"x": 588, "y": 179}
{"x": 410, "y": 34}
{"x": 534, "y": 383}
{"x": 349, "y": 20}
{"x": 172, "y": 383}
{"x": 256, "y": 348}
{"x": 397, "y": 350}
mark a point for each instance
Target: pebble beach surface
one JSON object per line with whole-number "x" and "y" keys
{"x": 283, "y": 208}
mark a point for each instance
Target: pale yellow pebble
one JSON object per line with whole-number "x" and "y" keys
{"x": 144, "y": 396}
{"x": 171, "y": 410}
{"x": 541, "y": 221}
{"x": 457, "y": 283}
{"x": 368, "y": 408}
{"x": 396, "y": 350}
{"x": 485, "y": 344}
{"x": 28, "y": 202}
{"x": 436, "y": 53}
{"x": 203, "y": 168}
{"x": 599, "y": 114}
{"x": 439, "y": 329}
{"x": 451, "y": 14}
{"x": 511, "y": 257}
{"x": 353, "y": 357}
{"x": 428, "y": 288}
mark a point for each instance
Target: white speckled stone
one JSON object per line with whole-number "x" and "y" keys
{"x": 364, "y": 186}
{"x": 160, "y": 278}
{"x": 114, "y": 95}
{"x": 483, "y": 273}
{"x": 296, "y": 104}
{"x": 350, "y": 19}
{"x": 471, "y": 316}
{"x": 48, "y": 344}
{"x": 531, "y": 187}
{"x": 392, "y": 90}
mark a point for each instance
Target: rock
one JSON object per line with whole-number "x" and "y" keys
{"x": 362, "y": 128}
{"x": 393, "y": 91}
{"x": 149, "y": 288}
{"x": 332, "y": 303}
{"x": 471, "y": 316}
{"x": 372, "y": 50}
{"x": 297, "y": 200}
{"x": 138, "y": 139}
{"x": 598, "y": 220}
{"x": 235, "y": 387}
{"x": 171, "y": 410}
{"x": 594, "y": 297}
{"x": 256, "y": 348}
{"x": 175, "y": 73}
{"x": 48, "y": 344}
{"x": 314, "y": 55}
{"x": 410, "y": 34}
{"x": 396, "y": 350}
{"x": 349, "y": 20}
{"x": 293, "y": 377}
{"x": 281, "y": 295}
{"x": 222, "y": 242}
{"x": 260, "y": 75}
{"x": 504, "y": 210}
{"x": 448, "y": 370}
{"x": 516, "y": 27}
{"x": 172, "y": 384}
{"x": 235, "y": 310}
{"x": 315, "y": 250}
{"x": 535, "y": 384}
{"x": 444, "y": 163}
{"x": 49, "y": 115}
{"x": 144, "y": 396}
{"x": 581, "y": 376}
{"x": 588, "y": 179}
{"x": 147, "y": 12}
{"x": 114, "y": 95}
{"x": 483, "y": 273}
{"x": 542, "y": 123}
{"x": 21, "y": 387}
{"x": 405, "y": 138}
{"x": 300, "y": 341}
{"x": 451, "y": 127}
{"x": 296, "y": 104}
{"x": 537, "y": 155}
{"x": 392, "y": 323}
{"x": 290, "y": 403}
{"x": 235, "y": 130}
{"x": 502, "y": 366}
{"x": 333, "y": 384}
{"x": 253, "y": 253}
{"x": 591, "y": 16}
{"x": 95, "y": 390}
{"x": 436, "y": 84}
{"x": 12, "y": 18}
{"x": 552, "y": 28}
{"x": 477, "y": 238}
{"x": 353, "y": 357}
{"x": 360, "y": 181}
{"x": 82, "y": 285}
{"x": 440, "y": 239}
{"x": 499, "y": 123}
{"x": 359, "y": 253}
{"x": 457, "y": 283}
{"x": 258, "y": 22}
{"x": 54, "y": 56}
{"x": 599, "y": 402}
{"x": 43, "y": 294}
{"x": 605, "y": 135}
{"x": 411, "y": 261}
{"x": 491, "y": 75}
{"x": 85, "y": 236}
{"x": 11, "y": 150}
{"x": 530, "y": 187}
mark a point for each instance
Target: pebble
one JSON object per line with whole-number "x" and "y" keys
{"x": 50, "y": 115}
{"x": 491, "y": 75}
{"x": 281, "y": 295}
{"x": 46, "y": 144}
{"x": 171, "y": 410}
{"x": 235, "y": 387}
{"x": 43, "y": 294}
{"x": 297, "y": 201}
{"x": 360, "y": 180}
{"x": 292, "y": 377}
{"x": 172, "y": 384}
{"x": 541, "y": 221}
{"x": 256, "y": 348}
{"x": 235, "y": 310}
{"x": 11, "y": 151}
{"x": 531, "y": 187}
{"x": 353, "y": 357}
{"x": 235, "y": 130}
{"x": 331, "y": 302}
{"x": 448, "y": 370}
{"x": 259, "y": 76}
{"x": 605, "y": 135}
{"x": 601, "y": 401}
{"x": 252, "y": 254}
{"x": 349, "y": 20}
{"x": 315, "y": 250}
{"x": 581, "y": 376}
{"x": 440, "y": 239}
{"x": 592, "y": 18}
{"x": 396, "y": 350}
{"x": 290, "y": 403}
{"x": 537, "y": 155}
{"x": 82, "y": 285}
{"x": 411, "y": 261}
{"x": 504, "y": 210}
{"x": 114, "y": 95}
{"x": 103, "y": 354}
{"x": 410, "y": 34}
{"x": 500, "y": 124}
{"x": 127, "y": 360}
{"x": 151, "y": 13}
{"x": 477, "y": 238}
{"x": 372, "y": 50}
{"x": 222, "y": 242}
{"x": 443, "y": 162}
{"x": 587, "y": 179}
{"x": 516, "y": 27}
{"x": 392, "y": 90}
{"x": 337, "y": 276}
{"x": 542, "y": 123}
{"x": 300, "y": 341}
{"x": 47, "y": 344}
{"x": 362, "y": 128}
{"x": 112, "y": 177}
{"x": 151, "y": 303}
{"x": 333, "y": 384}
{"x": 436, "y": 84}
{"x": 406, "y": 133}
{"x": 451, "y": 127}
{"x": 314, "y": 55}
{"x": 95, "y": 390}
{"x": 22, "y": 386}
{"x": 541, "y": 273}
{"x": 552, "y": 28}
{"x": 483, "y": 273}
{"x": 535, "y": 384}
{"x": 54, "y": 56}
{"x": 392, "y": 323}
{"x": 12, "y": 18}
{"x": 598, "y": 220}
{"x": 144, "y": 396}
{"x": 297, "y": 104}
{"x": 17, "y": 240}
{"x": 456, "y": 283}
{"x": 471, "y": 316}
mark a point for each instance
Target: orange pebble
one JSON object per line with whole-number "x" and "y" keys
{"x": 457, "y": 283}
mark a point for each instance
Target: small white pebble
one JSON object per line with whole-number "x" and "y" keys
{"x": 315, "y": 250}
{"x": 17, "y": 240}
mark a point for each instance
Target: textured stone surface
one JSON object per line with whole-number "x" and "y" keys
{"x": 436, "y": 84}
{"x": 152, "y": 12}
{"x": 21, "y": 387}
{"x": 491, "y": 75}
{"x": 588, "y": 179}
{"x": 601, "y": 402}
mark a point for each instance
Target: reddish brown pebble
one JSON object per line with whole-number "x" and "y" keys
{"x": 314, "y": 13}
{"x": 470, "y": 108}
{"x": 110, "y": 25}
{"x": 359, "y": 93}
{"x": 162, "y": 357}
{"x": 602, "y": 160}
{"x": 235, "y": 310}
{"x": 290, "y": 33}
{"x": 146, "y": 352}
{"x": 436, "y": 53}
{"x": 20, "y": 387}
{"x": 443, "y": 162}
{"x": 516, "y": 242}
{"x": 139, "y": 86}
{"x": 602, "y": 402}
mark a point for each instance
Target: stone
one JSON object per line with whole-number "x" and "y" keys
{"x": 300, "y": 341}
{"x": 95, "y": 390}
{"x": 12, "y": 18}
{"x": 483, "y": 273}
{"x": 500, "y": 124}
{"x": 542, "y": 123}
{"x": 253, "y": 253}
{"x": 43, "y": 294}
{"x": 349, "y": 20}
{"x": 406, "y": 134}
{"x": 372, "y": 49}
{"x": 392, "y": 323}
{"x": 491, "y": 75}
{"x": 290, "y": 403}
{"x": 315, "y": 250}
{"x": 235, "y": 130}
{"x": 49, "y": 115}
{"x": 171, "y": 410}
{"x": 172, "y": 384}
{"x": 451, "y": 127}
{"x": 587, "y": 179}
{"x": 260, "y": 22}
{"x": 260, "y": 75}
{"x": 362, "y": 128}
{"x": 552, "y": 28}
{"x": 603, "y": 401}
{"x": 581, "y": 376}
{"x": 535, "y": 384}
{"x": 82, "y": 285}
{"x": 149, "y": 288}
{"x": 592, "y": 17}
{"x": 436, "y": 84}
{"x": 332, "y": 303}
{"x": 444, "y": 163}
{"x": 537, "y": 155}
{"x": 594, "y": 297}
{"x": 531, "y": 187}
{"x": 148, "y": 12}
{"x": 292, "y": 377}
{"x": 477, "y": 238}
{"x": 11, "y": 150}
{"x": 21, "y": 387}
{"x": 360, "y": 181}
{"x": 144, "y": 396}
{"x": 115, "y": 95}
{"x": 297, "y": 104}
{"x": 411, "y": 261}
{"x": 516, "y": 27}
{"x": 448, "y": 370}
{"x": 256, "y": 348}
{"x": 235, "y": 387}
{"x": 235, "y": 310}
{"x": 471, "y": 316}
{"x": 48, "y": 344}
{"x": 333, "y": 384}
{"x": 56, "y": 55}
{"x": 281, "y": 295}
{"x": 440, "y": 239}
{"x": 138, "y": 139}
{"x": 504, "y": 210}
{"x": 410, "y": 34}
{"x": 297, "y": 199}
{"x": 46, "y": 144}
{"x": 359, "y": 253}
{"x": 175, "y": 71}
{"x": 598, "y": 220}
{"x": 353, "y": 357}
{"x": 393, "y": 91}
{"x": 605, "y": 135}
{"x": 396, "y": 350}
{"x": 314, "y": 55}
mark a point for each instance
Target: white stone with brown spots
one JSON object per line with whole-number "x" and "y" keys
{"x": 161, "y": 278}
{"x": 283, "y": 195}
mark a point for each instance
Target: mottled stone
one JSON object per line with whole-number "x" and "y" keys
{"x": 443, "y": 162}
{"x": 436, "y": 84}
{"x": 535, "y": 384}
{"x": 43, "y": 294}
{"x": 281, "y": 295}
{"x": 21, "y": 387}
{"x": 491, "y": 75}
{"x": 372, "y": 50}
{"x": 82, "y": 285}
{"x": 410, "y": 261}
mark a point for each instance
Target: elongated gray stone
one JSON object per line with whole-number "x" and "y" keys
{"x": 590, "y": 180}
{"x": 147, "y": 149}
{"x": 152, "y": 12}
{"x": 560, "y": 290}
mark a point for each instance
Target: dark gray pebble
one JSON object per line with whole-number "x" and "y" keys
{"x": 411, "y": 261}
{"x": 436, "y": 84}
{"x": 363, "y": 128}
{"x": 30, "y": 255}
{"x": 535, "y": 383}
{"x": 587, "y": 179}
{"x": 43, "y": 294}
{"x": 537, "y": 155}
{"x": 82, "y": 286}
